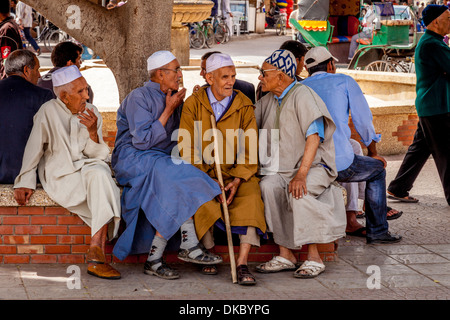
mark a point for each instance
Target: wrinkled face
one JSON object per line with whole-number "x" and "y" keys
{"x": 77, "y": 95}
{"x": 270, "y": 81}
{"x": 443, "y": 23}
{"x": 222, "y": 81}
{"x": 34, "y": 74}
{"x": 171, "y": 76}
{"x": 203, "y": 69}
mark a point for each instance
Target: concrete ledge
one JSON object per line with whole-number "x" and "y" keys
{"x": 38, "y": 199}
{"x": 391, "y": 98}
{"x": 387, "y": 86}
{"x": 43, "y": 232}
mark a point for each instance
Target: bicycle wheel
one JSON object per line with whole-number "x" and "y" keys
{"x": 209, "y": 32}
{"x": 381, "y": 65}
{"x": 222, "y": 33}
{"x": 54, "y": 38}
{"x": 279, "y": 26}
{"x": 227, "y": 33}
{"x": 283, "y": 27}
{"x": 196, "y": 39}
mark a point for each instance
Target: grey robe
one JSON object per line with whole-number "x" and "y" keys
{"x": 318, "y": 217}
{"x": 71, "y": 166}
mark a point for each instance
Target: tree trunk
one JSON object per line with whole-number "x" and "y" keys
{"x": 124, "y": 37}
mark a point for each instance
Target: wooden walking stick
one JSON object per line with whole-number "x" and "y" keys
{"x": 224, "y": 203}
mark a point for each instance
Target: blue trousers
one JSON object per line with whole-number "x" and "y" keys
{"x": 30, "y": 39}
{"x": 373, "y": 173}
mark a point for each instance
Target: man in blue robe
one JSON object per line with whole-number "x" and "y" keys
{"x": 161, "y": 193}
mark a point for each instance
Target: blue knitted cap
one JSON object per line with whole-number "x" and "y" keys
{"x": 283, "y": 60}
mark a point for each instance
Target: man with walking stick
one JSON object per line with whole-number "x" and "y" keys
{"x": 236, "y": 142}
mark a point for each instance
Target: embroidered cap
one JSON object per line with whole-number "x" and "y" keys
{"x": 159, "y": 59}
{"x": 217, "y": 61}
{"x": 65, "y": 75}
{"x": 317, "y": 55}
{"x": 283, "y": 60}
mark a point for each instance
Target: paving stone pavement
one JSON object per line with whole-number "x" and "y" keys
{"x": 417, "y": 268}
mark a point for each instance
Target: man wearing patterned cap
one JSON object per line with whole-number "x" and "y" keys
{"x": 302, "y": 205}
{"x": 235, "y": 118}
{"x": 67, "y": 148}
{"x": 160, "y": 194}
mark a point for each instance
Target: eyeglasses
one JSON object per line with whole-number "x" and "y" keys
{"x": 263, "y": 72}
{"x": 174, "y": 70}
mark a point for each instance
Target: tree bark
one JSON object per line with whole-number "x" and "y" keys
{"x": 124, "y": 37}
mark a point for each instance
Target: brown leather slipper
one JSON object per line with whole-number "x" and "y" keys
{"x": 104, "y": 271}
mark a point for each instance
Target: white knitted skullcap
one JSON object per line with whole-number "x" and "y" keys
{"x": 217, "y": 61}
{"x": 65, "y": 75}
{"x": 159, "y": 59}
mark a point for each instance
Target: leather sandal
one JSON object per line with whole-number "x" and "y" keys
{"x": 402, "y": 199}
{"x": 310, "y": 268}
{"x": 210, "y": 270}
{"x": 243, "y": 274}
{"x": 395, "y": 214}
{"x": 104, "y": 271}
{"x": 163, "y": 271}
{"x": 205, "y": 257}
{"x": 277, "y": 264}
{"x": 95, "y": 255}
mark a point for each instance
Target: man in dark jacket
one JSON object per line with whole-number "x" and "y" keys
{"x": 20, "y": 100}
{"x": 432, "y": 137}
{"x": 9, "y": 35}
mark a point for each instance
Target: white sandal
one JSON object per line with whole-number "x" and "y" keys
{"x": 312, "y": 269}
{"x": 277, "y": 264}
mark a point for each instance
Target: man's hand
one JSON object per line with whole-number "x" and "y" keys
{"x": 232, "y": 188}
{"x": 172, "y": 102}
{"x": 372, "y": 152}
{"x": 22, "y": 195}
{"x": 219, "y": 197}
{"x": 90, "y": 121}
{"x": 381, "y": 159}
{"x": 297, "y": 187}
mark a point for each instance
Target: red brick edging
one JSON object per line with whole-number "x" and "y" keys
{"x": 54, "y": 235}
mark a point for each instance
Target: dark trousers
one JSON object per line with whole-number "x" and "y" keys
{"x": 431, "y": 138}
{"x": 30, "y": 39}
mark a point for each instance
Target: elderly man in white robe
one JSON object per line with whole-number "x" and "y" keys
{"x": 67, "y": 148}
{"x": 302, "y": 205}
